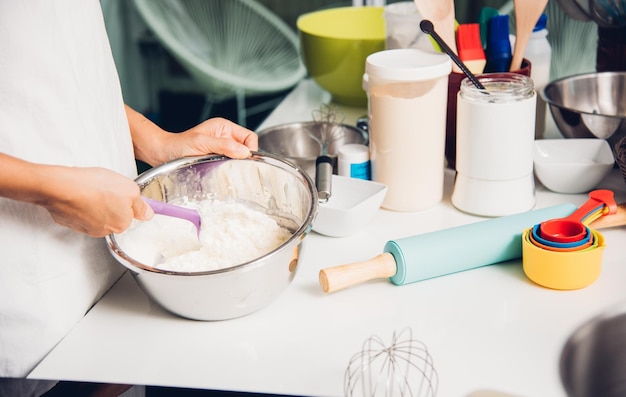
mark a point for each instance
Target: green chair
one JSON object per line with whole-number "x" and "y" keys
{"x": 231, "y": 48}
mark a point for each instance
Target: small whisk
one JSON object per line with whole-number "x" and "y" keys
{"x": 404, "y": 368}
{"x": 328, "y": 127}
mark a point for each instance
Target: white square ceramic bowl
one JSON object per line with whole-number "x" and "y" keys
{"x": 572, "y": 165}
{"x": 352, "y": 205}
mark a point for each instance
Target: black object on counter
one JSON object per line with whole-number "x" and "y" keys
{"x": 611, "y": 52}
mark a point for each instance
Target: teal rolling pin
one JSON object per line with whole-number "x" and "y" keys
{"x": 420, "y": 257}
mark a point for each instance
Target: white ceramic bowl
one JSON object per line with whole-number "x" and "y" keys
{"x": 352, "y": 205}
{"x": 572, "y": 165}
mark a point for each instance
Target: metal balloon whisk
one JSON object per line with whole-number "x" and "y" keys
{"x": 329, "y": 126}
{"x": 404, "y": 368}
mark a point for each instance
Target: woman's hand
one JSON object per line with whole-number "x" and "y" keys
{"x": 155, "y": 146}
{"x": 94, "y": 201}
{"x": 216, "y": 135}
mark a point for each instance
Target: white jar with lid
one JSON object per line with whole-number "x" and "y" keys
{"x": 353, "y": 160}
{"x": 407, "y": 100}
{"x": 495, "y": 146}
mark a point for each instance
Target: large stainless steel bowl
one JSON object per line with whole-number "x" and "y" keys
{"x": 296, "y": 143}
{"x": 264, "y": 182}
{"x": 593, "y": 360}
{"x": 591, "y": 105}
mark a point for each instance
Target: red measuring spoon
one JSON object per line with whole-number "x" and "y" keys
{"x": 571, "y": 228}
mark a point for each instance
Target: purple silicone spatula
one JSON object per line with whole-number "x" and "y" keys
{"x": 176, "y": 211}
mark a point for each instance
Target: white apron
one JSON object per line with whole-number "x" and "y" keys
{"x": 60, "y": 103}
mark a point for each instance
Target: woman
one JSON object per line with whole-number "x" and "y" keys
{"x": 68, "y": 146}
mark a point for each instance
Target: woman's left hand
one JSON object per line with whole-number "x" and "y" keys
{"x": 155, "y": 146}
{"x": 216, "y": 135}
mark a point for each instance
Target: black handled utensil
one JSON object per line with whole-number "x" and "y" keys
{"x": 428, "y": 28}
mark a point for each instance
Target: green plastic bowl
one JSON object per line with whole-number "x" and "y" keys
{"x": 334, "y": 44}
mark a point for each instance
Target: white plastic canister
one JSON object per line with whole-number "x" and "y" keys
{"x": 407, "y": 98}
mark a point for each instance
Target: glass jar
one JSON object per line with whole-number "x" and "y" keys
{"x": 501, "y": 88}
{"x": 495, "y": 145}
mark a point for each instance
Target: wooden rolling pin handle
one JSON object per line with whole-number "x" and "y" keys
{"x": 339, "y": 277}
{"x": 616, "y": 219}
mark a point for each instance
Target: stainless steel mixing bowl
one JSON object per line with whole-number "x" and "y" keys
{"x": 294, "y": 142}
{"x": 593, "y": 360}
{"x": 591, "y": 105}
{"x": 264, "y": 182}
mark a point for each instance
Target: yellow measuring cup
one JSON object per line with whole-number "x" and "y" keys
{"x": 563, "y": 270}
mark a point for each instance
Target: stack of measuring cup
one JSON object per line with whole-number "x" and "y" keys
{"x": 566, "y": 253}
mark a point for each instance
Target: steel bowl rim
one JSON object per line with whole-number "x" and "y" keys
{"x": 150, "y": 174}
{"x": 303, "y": 124}
{"x": 574, "y": 77}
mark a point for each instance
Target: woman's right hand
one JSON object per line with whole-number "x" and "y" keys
{"x": 94, "y": 201}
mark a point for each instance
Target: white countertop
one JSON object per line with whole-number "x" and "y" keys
{"x": 486, "y": 329}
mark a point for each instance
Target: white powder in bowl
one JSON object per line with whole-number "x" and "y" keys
{"x": 231, "y": 234}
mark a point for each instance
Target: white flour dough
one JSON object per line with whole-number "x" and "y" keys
{"x": 231, "y": 234}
